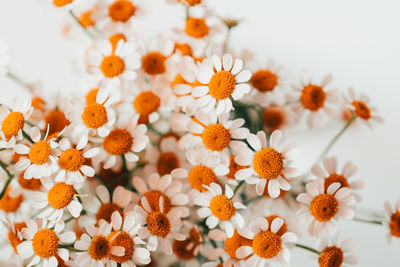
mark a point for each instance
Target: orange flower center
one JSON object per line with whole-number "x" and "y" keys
{"x": 153, "y": 197}
{"x": 60, "y": 3}
{"x": 85, "y": 19}
{"x": 201, "y": 175}
{"x": 56, "y": 121}
{"x": 123, "y": 239}
{"x": 283, "y": 228}
{"x": 185, "y": 249}
{"x": 45, "y": 243}
{"x": 192, "y": 2}
{"x": 274, "y": 118}
{"x": 235, "y": 242}
{"x": 394, "y": 224}
{"x": 13, "y": 237}
{"x": 99, "y": 248}
{"x": 115, "y": 38}
{"x": 268, "y": 163}
{"x": 216, "y": 137}
{"x": 158, "y": 224}
{"x": 39, "y": 152}
{"x": 30, "y": 184}
{"x": 167, "y": 162}
{"x": 106, "y": 210}
{"x": 146, "y": 103}
{"x": 38, "y": 103}
{"x": 91, "y": 96}
{"x": 112, "y": 66}
{"x": 94, "y": 116}
{"x": 222, "y": 207}
{"x": 266, "y": 244}
{"x": 71, "y": 160}
{"x": 118, "y": 142}
{"x": 222, "y": 84}
{"x": 12, "y": 124}
{"x": 185, "y": 49}
{"x": 324, "y": 207}
{"x": 313, "y": 97}
{"x": 9, "y": 203}
{"x": 196, "y": 27}
{"x": 154, "y": 63}
{"x": 233, "y": 168}
{"x": 264, "y": 80}
{"x": 361, "y": 109}
{"x": 121, "y": 10}
{"x": 335, "y": 178}
{"x": 60, "y": 195}
{"x": 331, "y": 257}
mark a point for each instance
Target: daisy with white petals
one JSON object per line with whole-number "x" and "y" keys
{"x": 335, "y": 253}
{"x": 393, "y": 223}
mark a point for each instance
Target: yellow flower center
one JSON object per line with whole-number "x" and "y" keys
{"x": 91, "y": 96}
{"x": 222, "y": 207}
{"x": 99, "y": 248}
{"x": 115, "y": 38}
{"x": 158, "y": 224}
{"x": 154, "y": 63}
{"x": 71, "y": 160}
{"x": 331, "y": 257}
{"x": 216, "y": 137}
{"x": 324, "y": 207}
{"x": 56, "y": 121}
{"x": 30, "y": 184}
{"x": 264, "y": 80}
{"x": 60, "y": 3}
{"x": 94, "y": 116}
{"x": 13, "y": 237}
{"x": 196, "y": 27}
{"x": 167, "y": 162}
{"x": 268, "y": 163}
{"x": 106, "y": 210}
{"x": 266, "y": 244}
{"x": 361, "y": 109}
{"x": 39, "y": 152}
{"x": 146, "y": 103}
{"x": 235, "y": 242}
{"x": 112, "y": 66}
{"x": 122, "y": 239}
{"x": 45, "y": 243}
{"x": 335, "y": 178}
{"x": 60, "y": 195}
{"x": 12, "y": 124}
{"x": 118, "y": 142}
{"x": 10, "y": 204}
{"x": 85, "y": 19}
{"x": 394, "y": 224}
{"x": 222, "y": 84}
{"x": 313, "y": 97}
{"x": 201, "y": 175}
{"x": 121, "y": 10}
{"x": 153, "y": 197}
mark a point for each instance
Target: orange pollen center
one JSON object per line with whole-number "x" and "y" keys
{"x": 196, "y": 27}
{"x": 13, "y": 237}
{"x": 201, "y": 175}
{"x": 335, "y": 178}
{"x": 233, "y": 168}
{"x": 264, "y": 80}
{"x": 56, "y": 121}
{"x": 38, "y": 103}
{"x": 331, "y": 257}
{"x": 99, "y": 248}
{"x": 91, "y": 96}
{"x": 118, "y": 142}
{"x": 45, "y": 243}
{"x": 274, "y": 118}
{"x": 106, "y": 210}
{"x": 115, "y": 38}
{"x": 85, "y": 19}
{"x": 186, "y": 249}
{"x": 235, "y": 242}
{"x": 222, "y": 207}
{"x": 153, "y": 63}
{"x": 192, "y": 2}
{"x": 268, "y": 163}
{"x": 361, "y": 109}
{"x": 112, "y": 66}
{"x": 283, "y": 228}
{"x": 12, "y": 124}
{"x": 185, "y": 49}
{"x": 39, "y": 152}
{"x": 123, "y": 239}
{"x": 30, "y": 184}
{"x": 216, "y": 137}
{"x": 222, "y": 84}
{"x": 60, "y": 3}
{"x": 266, "y": 244}
{"x": 94, "y": 116}
{"x": 313, "y": 97}
{"x": 71, "y": 160}
{"x": 153, "y": 197}
{"x": 9, "y": 203}
{"x": 324, "y": 207}
{"x": 146, "y": 103}
{"x": 60, "y": 195}
{"x": 167, "y": 162}
{"x": 121, "y": 10}
{"x": 158, "y": 224}
{"x": 394, "y": 224}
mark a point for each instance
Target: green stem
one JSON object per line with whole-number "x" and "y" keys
{"x": 187, "y": 12}
{"x": 308, "y": 248}
{"x": 17, "y": 80}
{"x": 81, "y": 26}
{"x": 228, "y": 35}
{"x": 367, "y": 221}
{"x": 10, "y": 177}
{"x": 124, "y": 166}
{"x": 238, "y": 187}
{"x": 27, "y": 137}
{"x": 153, "y": 129}
{"x": 98, "y": 178}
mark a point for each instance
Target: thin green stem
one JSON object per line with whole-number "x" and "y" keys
{"x": 308, "y": 248}
{"x": 27, "y": 137}
{"x": 187, "y": 12}
{"x": 124, "y": 166}
{"x": 228, "y": 35}
{"x": 151, "y": 128}
{"x": 247, "y": 202}
{"x": 238, "y": 187}
{"x": 98, "y": 178}
{"x": 10, "y": 177}
{"x": 367, "y": 221}
{"x": 17, "y": 80}
{"x": 81, "y": 26}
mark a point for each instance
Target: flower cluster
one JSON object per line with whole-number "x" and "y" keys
{"x": 174, "y": 152}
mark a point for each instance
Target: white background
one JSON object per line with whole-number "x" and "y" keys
{"x": 356, "y": 40}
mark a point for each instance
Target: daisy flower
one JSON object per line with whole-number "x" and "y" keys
{"x": 221, "y": 79}
{"x": 335, "y": 253}
{"x": 269, "y": 245}
{"x": 73, "y": 161}
{"x": 40, "y": 160}
{"x": 361, "y": 109}
{"x": 155, "y": 187}
{"x": 64, "y": 4}
{"x": 188, "y": 249}
{"x": 275, "y": 118}
{"x": 393, "y": 214}
{"x": 4, "y": 59}
{"x": 124, "y": 234}
{"x": 315, "y": 99}
{"x": 268, "y": 167}
{"x": 159, "y": 224}
{"x": 12, "y": 121}
{"x": 330, "y": 167}
{"x": 11, "y": 201}
{"x": 56, "y": 198}
{"x": 323, "y": 208}
{"x": 126, "y": 139}
{"x": 218, "y": 208}
{"x": 96, "y": 247}
{"x": 44, "y": 243}
{"x": 213, "y": 134}
{"x": 12, "y": 237}
{"x": 185, "y": 2}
